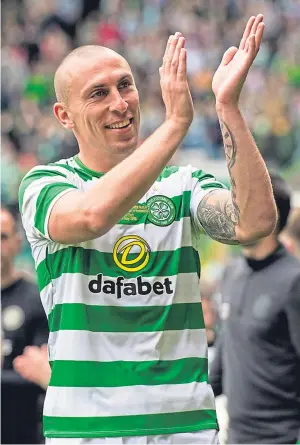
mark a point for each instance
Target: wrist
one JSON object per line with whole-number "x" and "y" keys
{"x": 178, "y": 125}
{"x": 227, "y": 108}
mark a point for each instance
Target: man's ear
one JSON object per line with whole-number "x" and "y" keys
{"x": 63, "y": 116}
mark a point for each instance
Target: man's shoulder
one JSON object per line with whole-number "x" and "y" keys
{"x": 60, "y": 167}
{"x": 41, "y": 175}
{"x": 173, "y": 172}
{"x": 290, "y": 265}
{"x": 184, "y": 173}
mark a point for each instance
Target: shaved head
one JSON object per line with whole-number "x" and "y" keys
{"x": 67, "y": 69}
{"x": 95, "y": 89}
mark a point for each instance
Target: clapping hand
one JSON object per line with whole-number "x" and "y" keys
{"x": 173, "y": 80}
{"x": 230, "y": 76}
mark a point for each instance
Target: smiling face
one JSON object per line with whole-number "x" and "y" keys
{"x": 102, "y": 105}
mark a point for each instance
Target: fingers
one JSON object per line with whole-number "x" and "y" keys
{"x": 162, "y": 68}
{"x": 171, "y": 56}
{"x": 259, "y": 18}
{"x": 181, "y": 71}
{"x": 247, "y": 32}
{"x": 259, "y": 35}
{"x": 250, "y": 45}
{"x": 176, "y": 55}
{"x": 254, "y": 27}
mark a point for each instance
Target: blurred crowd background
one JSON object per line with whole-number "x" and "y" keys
{"x": 37, "y": 35}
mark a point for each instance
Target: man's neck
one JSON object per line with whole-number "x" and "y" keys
{"x": 94, "y": 160}
{"x": 261, "y": 249}
{"x": 9, "y": 276}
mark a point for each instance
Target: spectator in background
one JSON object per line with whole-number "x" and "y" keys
{"x": 291, "y": 234}
{"x": 23, "y": 323}
{"x": 210, "y": 315}
{"x": 34, "y": 366}
{"x": 36, "y": 35}
{"x": 257, "y": 358}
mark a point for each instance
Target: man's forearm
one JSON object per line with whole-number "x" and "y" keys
{"x": 251, "y": 189}
{"x": 127, "y": 182}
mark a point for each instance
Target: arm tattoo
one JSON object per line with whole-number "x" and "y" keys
{"x": 230, "y": 152}
{"x": 218, "y": 217}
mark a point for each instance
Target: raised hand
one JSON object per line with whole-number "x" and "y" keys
{"x": 230, "y": 76}
{"x": 173, "y": 80}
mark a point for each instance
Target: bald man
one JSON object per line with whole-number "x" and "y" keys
{"x": 113, "y": 233}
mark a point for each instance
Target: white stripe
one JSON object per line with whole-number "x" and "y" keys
{"x": 173, "y": 185}
{"x": 172, "y": 237}
{"x": 31, "y": 195}
{"x": 53, "y": 202}
{"x": 74, "y": 288}
{"x": 48, "y": 168}
{"x": 135, "y": 346}
{"x": 178, "y": 234}
{"x": 128, "y": 400}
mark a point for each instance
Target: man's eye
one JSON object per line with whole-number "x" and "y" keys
{"x": 99, "y": 93}
{"x": 124, "y": 85}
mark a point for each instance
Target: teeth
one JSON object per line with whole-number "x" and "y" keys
{"x": 120, "y": 124}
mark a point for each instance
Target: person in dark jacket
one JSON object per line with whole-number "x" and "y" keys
{"x": 24, "y": 323}
{"x": 257, "y": 358}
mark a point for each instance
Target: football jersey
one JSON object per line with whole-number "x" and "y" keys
{"x": 127, "y": 344}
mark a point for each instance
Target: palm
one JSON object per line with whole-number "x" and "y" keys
{"x": 232, "y": 72}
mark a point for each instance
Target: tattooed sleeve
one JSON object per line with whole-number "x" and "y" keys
{"x": 218, "y": 211}
{"x": 217, "y": 216}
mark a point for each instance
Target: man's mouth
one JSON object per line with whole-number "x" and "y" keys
{"x": 117, "y": 125}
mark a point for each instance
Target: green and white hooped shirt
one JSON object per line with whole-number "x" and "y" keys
{"x": 127, "y": 343}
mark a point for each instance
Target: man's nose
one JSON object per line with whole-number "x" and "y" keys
{"x": 118, "y": 103}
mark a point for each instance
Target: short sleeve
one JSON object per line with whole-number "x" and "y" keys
{"x": 38, "y": 192}
{"x": 202, "y": 183}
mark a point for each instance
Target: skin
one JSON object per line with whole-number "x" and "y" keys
{"x": 290, "y": 236}
{"x": 87, "y": 107}
{"x": 262, "y": 248}
{"x": 130, "y": 169}
{"x": 33, "y": 365}
{"x": 10, "y": 245}
{"x": 226, "y": 217}
{"x": 244, "y": 215}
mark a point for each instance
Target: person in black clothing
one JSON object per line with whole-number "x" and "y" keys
{"x": 257, "y": 358}
{"x": 23, "y": 323}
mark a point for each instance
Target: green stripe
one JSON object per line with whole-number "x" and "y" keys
{"x": 45, "y": 198}
{"x": 87, "y": 170}
{"x": 70, "y": 373}
{"x": 140, "y": 425}
{"x": 202, "y": 176}
{"x": 167, "y": 171}
{"x": 83, "y": 174}
{"x": 182, "y": 206}
{"x": 78, "y": 316}
{"x": 34, "y": 176}
{"x": 65, "y": 166}
{"x": 91, "y": 262}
